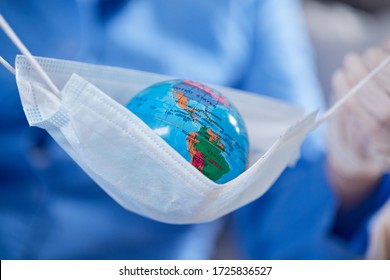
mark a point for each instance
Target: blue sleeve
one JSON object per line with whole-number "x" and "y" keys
{"x": 352, "y": 225}
{"x": 293, "y": 220}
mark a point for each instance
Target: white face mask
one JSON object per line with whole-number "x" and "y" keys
{"x": 132, "y": 163}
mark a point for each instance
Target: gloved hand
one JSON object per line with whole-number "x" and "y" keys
{"x": 359, "y": 134}
{"x": 379, "y": 240}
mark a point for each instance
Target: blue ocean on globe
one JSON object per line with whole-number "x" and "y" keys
{"x": 199, "y": 122}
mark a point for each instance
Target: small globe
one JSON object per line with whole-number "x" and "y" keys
{"x": 199, "y": 123}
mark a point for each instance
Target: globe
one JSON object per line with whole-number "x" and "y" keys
{"x": 199, "y": 122}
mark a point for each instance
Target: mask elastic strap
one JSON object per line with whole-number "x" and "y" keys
{"x": 352, "y": 92}
{"x": 22, "y": 48}
{"x": 7, "y": 65}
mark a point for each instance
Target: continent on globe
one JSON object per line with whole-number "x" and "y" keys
{"x": 199, "y": 123}
{"x": 205, "y": 150}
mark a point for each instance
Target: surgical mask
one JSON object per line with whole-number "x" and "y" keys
{"x": 131, "y": 162}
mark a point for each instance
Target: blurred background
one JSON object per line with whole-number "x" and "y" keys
{"x": 341, "y": 26}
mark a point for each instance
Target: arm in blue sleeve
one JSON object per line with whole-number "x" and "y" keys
{"x": 353, "y": 225}
{"x": 293, "y": 220}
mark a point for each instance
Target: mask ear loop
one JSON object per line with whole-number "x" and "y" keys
{"x": 22, "y": 48}
{"x": 7, "y": 65}
{"x": 351, "y": 93}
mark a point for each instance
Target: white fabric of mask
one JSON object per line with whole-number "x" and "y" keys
{"x": 133, "y": 164}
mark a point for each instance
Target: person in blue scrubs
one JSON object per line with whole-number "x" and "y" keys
{"x": 50, "y": 209}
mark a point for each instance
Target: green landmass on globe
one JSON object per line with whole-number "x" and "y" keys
{"x": 199, "y": 123}
{"x": 205, "y": 150}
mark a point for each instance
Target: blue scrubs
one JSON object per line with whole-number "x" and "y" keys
{"x": 49, "y": 209}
